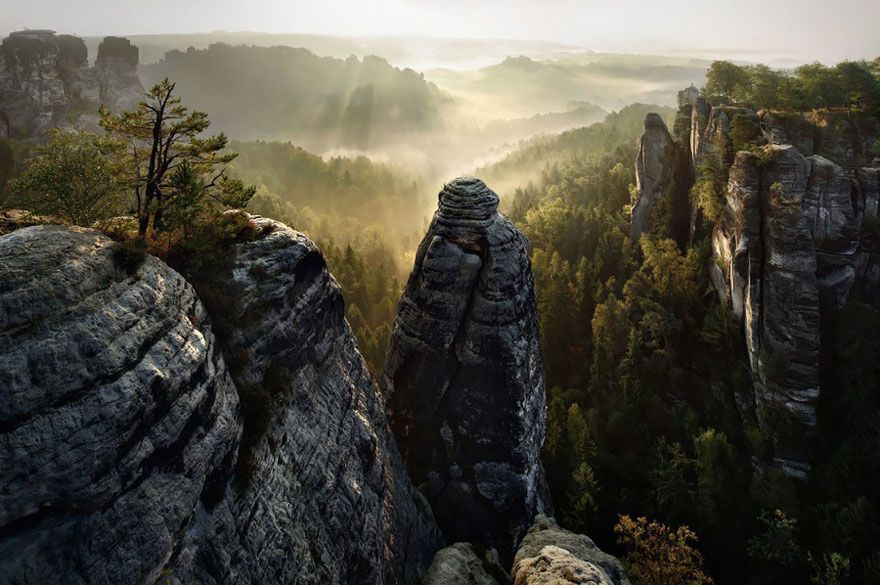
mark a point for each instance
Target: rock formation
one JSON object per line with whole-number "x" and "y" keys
{"x": 46, "y": 82}
{"x": 789, "y": 244}
{"x": 117, "y": 413}
{"x": 653, "y": 172}
{"x": 121, "y": 426}
{"x": 330, "y": 498}
{"x": 548, "y": 555}
{"x": 464, "y": 378}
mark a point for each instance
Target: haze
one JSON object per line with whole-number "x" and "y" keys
{"x": 778, "y": 31}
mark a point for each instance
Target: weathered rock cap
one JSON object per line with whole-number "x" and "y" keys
{"x": 654, "y": 119}
{"x": 467, "y": 201}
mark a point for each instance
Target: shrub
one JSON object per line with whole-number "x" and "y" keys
{"x": 659, "y": 555}
{"x": 129, "y": 255}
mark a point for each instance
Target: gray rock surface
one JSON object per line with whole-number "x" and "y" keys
{"x": 795, "y": 239}
{"x": 330, "y": 500}
{"x": 464, "y": 378}
{"x": 548, "y": 555}
{"x": 461, "y": 564}
{"x": 120, "y": 424}
{"x": 117, "y": 413}
{"x": 654, "y": 172}
{"x": 785, "y": 251}
{"x": 46, "y": 82}
{"x": 549, "y": 552}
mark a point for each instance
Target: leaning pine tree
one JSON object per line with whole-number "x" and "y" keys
{"x": 178, "y": 172}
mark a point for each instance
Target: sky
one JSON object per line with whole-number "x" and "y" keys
{"x": 801, "y": 30}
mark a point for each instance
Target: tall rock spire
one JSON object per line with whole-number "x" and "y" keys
{"x": 464, "y": 377}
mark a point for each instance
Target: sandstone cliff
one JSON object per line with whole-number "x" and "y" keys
{"x": 46, "y": 82}
{"x": 789, "y": 244}
{"x": 464, "y": 377}
{"x": 330, "y": 500}
{"x": 117, "y": 412}
{"x": 121, "y": 424}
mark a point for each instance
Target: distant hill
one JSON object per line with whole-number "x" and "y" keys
{"x": 416, "y": 52}
{"x": 523, "y": 85}
{"x": 527, "y": 162}
{"x": 288, "y": 93}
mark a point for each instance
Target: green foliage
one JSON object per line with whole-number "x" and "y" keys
{"x": 78, "y": 177}
{"x": 727, "y": 80}
{"x": 371, "y": 292}
{"x": 851, "y": 84}
{"x": 709, "y": 190}
{"x": 745, "y": 132}
{"x": 831, "y": 569}
{"x": 775, "y": 550}
{"x": 178, "y": 171}
{"x": 129, "y": 255}
{"x": 7, "y": 165}
{"x": 658, "y": 555}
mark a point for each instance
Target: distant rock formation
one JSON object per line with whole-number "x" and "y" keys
{"x": 548, "y": 555}
{"x": 120, "y": 426}
{"x": 663, "y": 171}
{"x": 653, "y": 172}
{"x": 464, "y": 378}
{"x": 46, "y": 82}
{"x": 790, "y": 242}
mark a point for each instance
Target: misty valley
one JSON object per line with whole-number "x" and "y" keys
{"x": 403, "y": 308}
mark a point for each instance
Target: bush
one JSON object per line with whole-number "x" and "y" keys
{"x": 659, "y": 555}
{"x": 129, "y": 255}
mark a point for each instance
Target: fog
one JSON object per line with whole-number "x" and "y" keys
{"x": 778, "y": 31}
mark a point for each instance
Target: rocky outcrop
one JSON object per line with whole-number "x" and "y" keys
{"x": 122, "y": 433}
{"x": 548, "y": 555}
{"x": 794, "y": 240}
{"x": 464, "y": 379}
{"x": 46, "y": 82}
{"x": 462, "y": 564}
{"x": 654, "y": 174}
{"x": 664, "y": 172}
{"x": 569, "y": 556}
{"x": 329, "y": 499}
{"x": 117, "y": 413}
{"x": 116, "y": 72}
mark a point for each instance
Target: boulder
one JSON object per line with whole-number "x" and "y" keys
{"x": 550, "y": 554}
{"x": 462, "y": 564}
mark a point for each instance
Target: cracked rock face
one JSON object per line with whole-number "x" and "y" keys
{"x": 791, "y": 243}
{"x": 464, "y": 378}
{"x": 787, "y": 250}
{"x": 330, "y": 500}
{"x": 653, "y": 172}
{"x": 114, "y": 396}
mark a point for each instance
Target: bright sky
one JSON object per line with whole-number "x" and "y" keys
{"x": 800, "y": 29}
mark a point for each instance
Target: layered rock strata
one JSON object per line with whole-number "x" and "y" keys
{"x": 122, "y": 443}
{"x": 46, "y": 82}
{"x": 464, "y": 378}
{"x": 794, "y": 240}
